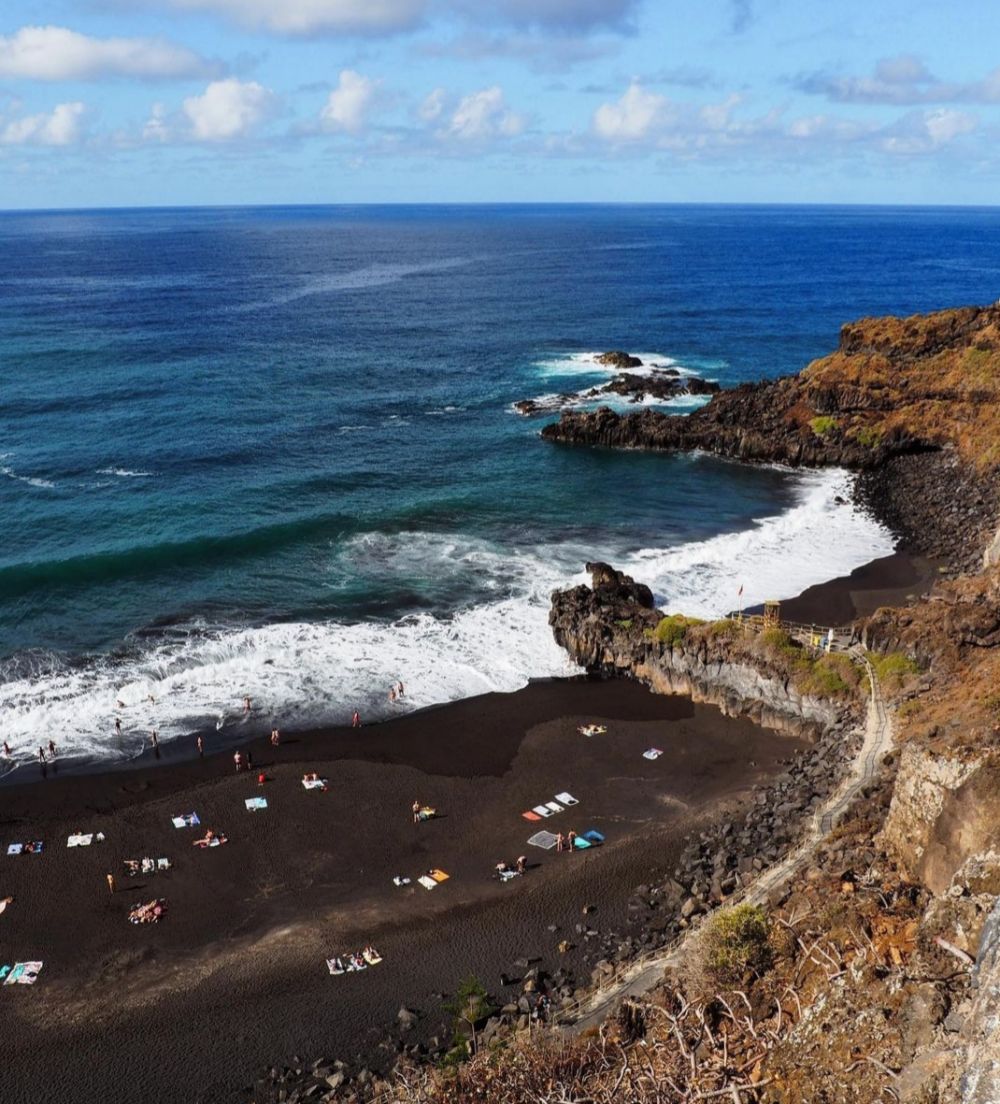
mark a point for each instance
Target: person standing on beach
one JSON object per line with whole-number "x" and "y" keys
{"x": 570, "y": 839}
{"x": 275, "y": 737}
{"x": 522, "y": 862}
{"x": 155, "y": 741}
{"x": 392, "y": 693}
{"x": 118, "y": 726}
{"x": 201, "y": 748}
{"x": 356, "y": 720}
{"x": 399, "y": 688}
{"x": 416, "y": 812}
{"x": 111, "y": 882}
{"x": 238, "y": 760}
{"x": 41, "y": 756}
{"x": 560, "y": 841}
{"x": 52, "y": 749}
{"x": 247, "y": 705}
{"x": 6, "y": 750}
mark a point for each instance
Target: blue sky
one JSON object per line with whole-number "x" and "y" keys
{"x": 134, "y": 102}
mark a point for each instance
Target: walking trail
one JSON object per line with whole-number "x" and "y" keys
{"x": 645, "y": 973}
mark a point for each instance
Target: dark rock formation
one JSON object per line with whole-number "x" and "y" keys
{"x": 662, "y": 384}
{"x": 618, "y": 359}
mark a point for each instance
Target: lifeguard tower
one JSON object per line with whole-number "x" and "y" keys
{"x": 772, "y": 615}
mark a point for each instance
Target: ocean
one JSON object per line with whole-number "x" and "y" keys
{"x": 272, "y": 452}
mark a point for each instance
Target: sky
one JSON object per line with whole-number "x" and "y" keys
{"x": 107, "y": 103}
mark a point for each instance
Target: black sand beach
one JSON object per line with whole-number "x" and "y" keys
{"x": 234, "y": 978}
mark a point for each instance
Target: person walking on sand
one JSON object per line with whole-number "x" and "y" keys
{"x": 416, "y": 812}
{"x": 52, "y": 749}
{"x": 247, "y": 705}
{"x": 356, "y": 720}
{"x": 6, "y": 750}
{"x": 201, "y": 748}
{"x": 522, "y": 862}
{"x": 570, "y": 839}
{"x": 41, "y": 756}
{"x": 238, "y": 760}
{"x": 275, "y": 737}
{"x": 111, "y": 882}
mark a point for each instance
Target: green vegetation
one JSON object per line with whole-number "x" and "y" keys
{"x": 737, "y": 942}
{"x": 822, "y": 425}
{"x": 725, "y": 627}
{"x": 827, "y": 675}
{"x": 625, "y": 623}
{"x": 893, "y": 668}
{"x": 869, "y": 436}
{"x": 469, "y": 1007}
{"x": 778, "y": 640}
{"x": 672, "y": 630}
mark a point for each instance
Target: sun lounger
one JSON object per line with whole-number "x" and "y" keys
{"x": 554, "y": 806}
{"x": 652, "y": 753}
{"x": 530, "y": 815}
{"x": 439, "y": 875}
{"x": 23, "y": 973}
{"x": 188, "y": 820}
{"x": 581, "y": 843}
{"x": 545, "y": 840}
{"x": 254, "y": 803}
{"x": 542, "y": 810}
{"x": 593, "y": 835}
{"x": 567, "y": 799}
{"x": 427, "y": 883}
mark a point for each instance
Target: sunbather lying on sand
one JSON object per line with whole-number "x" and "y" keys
{"x": 211, "y": 839}
{"x": 148, "y": 913}
{"x": 4, "y": 902}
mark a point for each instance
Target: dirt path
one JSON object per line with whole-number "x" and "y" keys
{"x": 644, "y": 974}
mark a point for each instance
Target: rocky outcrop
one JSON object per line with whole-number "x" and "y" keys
{"x": 610, "y": 628}
{"x": 619, "y": 359}
{"x": 662, "y": 384}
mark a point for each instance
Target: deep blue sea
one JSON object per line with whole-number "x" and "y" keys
{"x": 272, "y": 452}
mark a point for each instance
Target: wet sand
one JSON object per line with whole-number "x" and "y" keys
{"x": 233, "y": 979}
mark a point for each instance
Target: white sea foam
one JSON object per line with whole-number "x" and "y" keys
{"x": 29, "y": 480}
{"x": 124, "y": 473}
{"x": 587, "y": 364}
{"x": 308, "y": 673}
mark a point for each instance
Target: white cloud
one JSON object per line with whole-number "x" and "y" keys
{"x": 482, "y": 115}
{"x": 305, "y": 16}
{"x": 56, "y": 53}
{"x": 59, "y": 127}
{"x": 433, "y": 105}
{"x": 348, "y": 105}
{"x": 900, "y": 80}
{"x": 228, "y": 109}
{"x": 631, "y": 117}
{"x": 927, "y": 131}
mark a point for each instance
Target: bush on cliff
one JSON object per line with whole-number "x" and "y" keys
{"x": 672, "y": 630}
{"x": 822, "y": 425}
{"x": 828, "y": 675}
{"x": 737, "y": 942}
{"x": 893, "y": 669}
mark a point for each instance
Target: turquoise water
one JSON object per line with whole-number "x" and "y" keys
{"x": 271, "y": 451}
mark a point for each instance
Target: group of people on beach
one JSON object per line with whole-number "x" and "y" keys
{"x": 396, "y": 691}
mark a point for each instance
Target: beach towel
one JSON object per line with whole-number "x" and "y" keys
{"x": 506, "y": 875}
{"x": 427, "y": 883}
{"x": 80, "y": 841}
{"x": 15, "y": 848}
{"x": 253, "y": 803}
{"x": 188, "y": 820}
{"x": 531, "y": 816}
{"x": 401, "y": 880}
{"x": 335, "y": 966}
{"x": 567, "y": 799}
{"x": 439, "y": 875}
{"x": 215, "y": 841}
{"x": 314, "y": 783}
{"x": 545, "y": 840}
{"x": 162, "y": 864}
{"x": 542, "y": 810}
{"x": 24, "y": 973}
{"x": 4, "y": 971}
{"x": 554, "y": 806}
{"x": 372, "y": 957}
{"x": 653, "y": 753}
{"x": 582, "y": 843}
{"x": 593, "y": 835}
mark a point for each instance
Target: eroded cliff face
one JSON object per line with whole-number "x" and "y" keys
{"x": 611, "y": 628}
